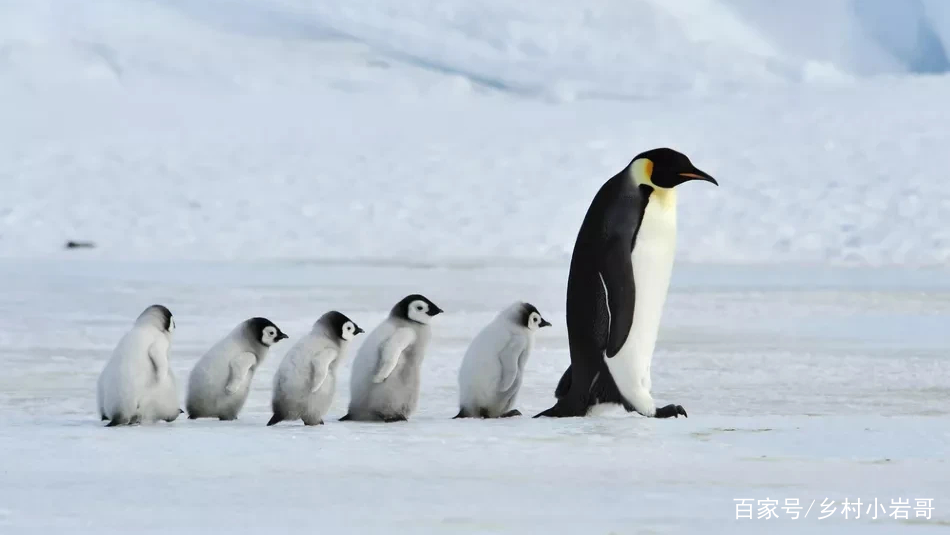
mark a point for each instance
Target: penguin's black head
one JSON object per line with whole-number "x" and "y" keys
{"x": 665, "y": 168}
{"x": 340, "y": 325}
{"x": 160, "y": 315}
{"x": 417, "y": 308}
{"x": 531, "y": 317}
{"x": 263, "y": 331}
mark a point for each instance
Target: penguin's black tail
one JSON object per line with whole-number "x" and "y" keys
{"x": 553, "y": 412}
{"x": 345, "y": 418}
{"x": 275, "y": 419}
{"x": 462, "y": 414}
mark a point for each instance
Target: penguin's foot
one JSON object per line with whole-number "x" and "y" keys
{"x": 393, "y": 418}
{"x": 671, "y": 411}
{"x": 118, "y": 420}
{"x": 310, "y": 421}
{"x": 137, "y": 419}
{"x": 512, "y": 412}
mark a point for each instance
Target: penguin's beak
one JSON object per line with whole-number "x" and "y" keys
{"x": 435, "y": 311}
{"x": 696, "y": 174}
{"x": 544, "y": 323}
{"x": 280, "y": 336}
{"x": 358, "y": 330}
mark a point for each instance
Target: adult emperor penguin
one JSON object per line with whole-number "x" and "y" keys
{"x": 619, "y": 276}
{"x": 137, "y": 384}
{"x": 493, "y": 365}
{"x": 305, "y": 381}
{"x": 220, "y": 381}
{"x": 384, "y": 382}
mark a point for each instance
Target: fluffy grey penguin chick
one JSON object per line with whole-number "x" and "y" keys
{"x": 137, "y": 384}
{"x": 384, "y": 383}
{"x": 305, "y": 381}
{"x": 220, "y": 381}
{"x": 493, "y": 366}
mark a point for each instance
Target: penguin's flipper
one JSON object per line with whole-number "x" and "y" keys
{"x": 616, "y": 278}
{"x": 276, "y": 418}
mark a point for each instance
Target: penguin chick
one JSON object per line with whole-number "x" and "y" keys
{"x": 137, "y": 384}
{"x": 305, "y": 381}
{"x": 493, "y": 366}
{"x": 384, "y": 383}
{"x": 220, "y": 381}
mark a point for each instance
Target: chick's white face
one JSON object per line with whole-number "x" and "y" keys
{"x": 534, "y": 321}
{"x": 419, "y": 311}
{"x": 269, "y": 336}
{"x": 348, "y": 332}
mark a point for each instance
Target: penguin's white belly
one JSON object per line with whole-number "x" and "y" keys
{"x": 652, "y": 256}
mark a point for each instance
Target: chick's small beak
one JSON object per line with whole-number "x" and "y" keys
{"x": 435, "y": 311}
{"x": 545, "y": 323}
{"x": 358, "y": 331}
{"x": 697, "y": 174}
{"x": 280, "y": 336}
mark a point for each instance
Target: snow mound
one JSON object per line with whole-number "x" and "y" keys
{"x": 429, "y": 131}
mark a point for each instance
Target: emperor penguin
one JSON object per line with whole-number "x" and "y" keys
{"x": 619, "y": 276}
{"x": 493, "y": 366}
{"x": 137, "y": 384}
{"x": 220, "y": 381}
{"x": 305, "y": 381}
{"x": 384, "y": 381}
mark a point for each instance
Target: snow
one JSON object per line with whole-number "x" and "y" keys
{"x": 458, "y": 132}
{"x": 816, "y": 384}
{"x": 280, "y": 158}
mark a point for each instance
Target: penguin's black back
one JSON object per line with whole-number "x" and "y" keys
{"x": 613, "y": 217}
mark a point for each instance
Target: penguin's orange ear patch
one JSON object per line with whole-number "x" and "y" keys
{"x": 648, "y": 168}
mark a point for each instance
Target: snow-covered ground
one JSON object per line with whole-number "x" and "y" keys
{"x": 280, "y": 158}
{"x": 803, "y": 384}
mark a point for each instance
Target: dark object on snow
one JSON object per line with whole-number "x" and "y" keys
{"x": 80, "y": 244}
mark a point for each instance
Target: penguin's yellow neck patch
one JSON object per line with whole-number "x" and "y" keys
{"x": 642, "y": 171}
{"x": 665, "y": 197}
